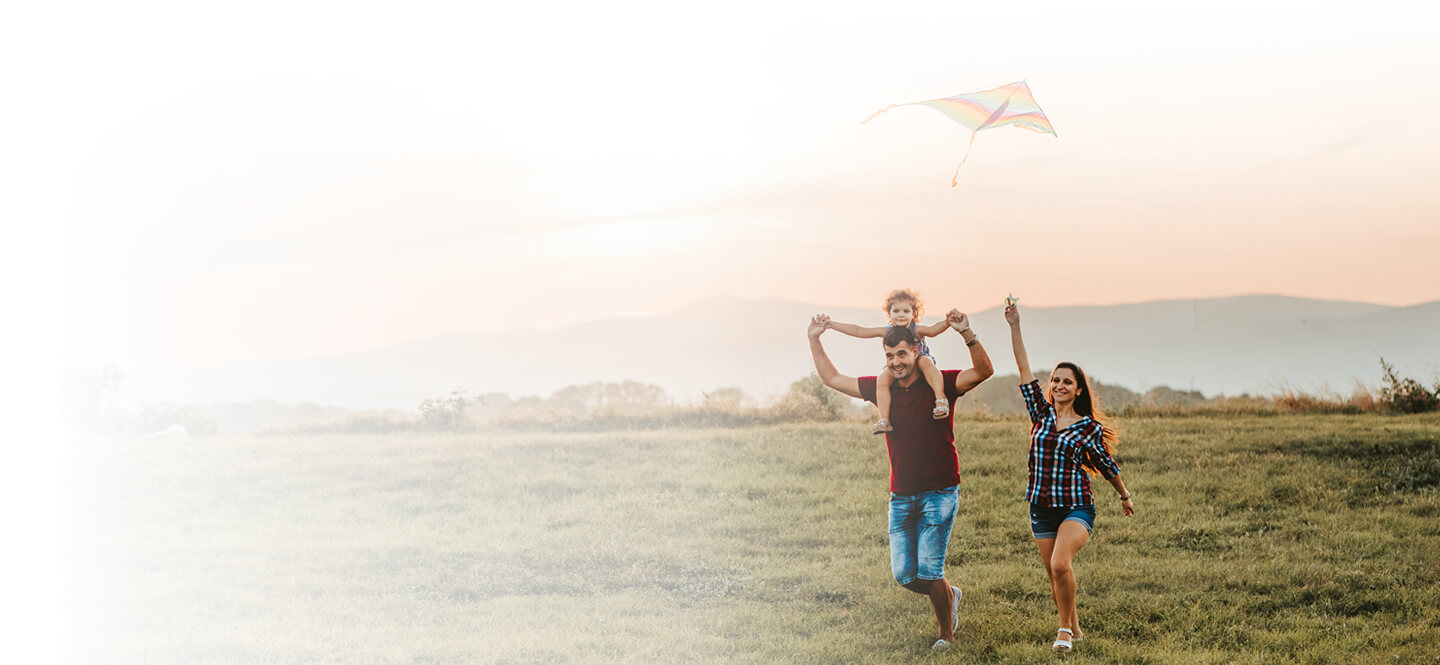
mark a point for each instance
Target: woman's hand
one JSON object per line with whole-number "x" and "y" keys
{"x": 1128, "y": 504}
{"x": 1012, "y": 315}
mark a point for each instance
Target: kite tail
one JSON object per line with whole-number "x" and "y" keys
{"x": 872, "y": 115}
{"x": 955, "y": 179}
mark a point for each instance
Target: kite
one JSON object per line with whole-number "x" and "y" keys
{"x": 1010, "y": 300}
{"x": 1006, "y": 105}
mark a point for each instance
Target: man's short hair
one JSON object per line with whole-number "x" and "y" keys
{"x": 897, "y": 334}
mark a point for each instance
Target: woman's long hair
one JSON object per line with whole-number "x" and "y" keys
{"x": 1087, "y": 403}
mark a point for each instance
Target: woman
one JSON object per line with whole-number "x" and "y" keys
{"x": 1066, "y": 441}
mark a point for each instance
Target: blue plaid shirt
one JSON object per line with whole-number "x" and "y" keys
{"x": 1056, "y": 477}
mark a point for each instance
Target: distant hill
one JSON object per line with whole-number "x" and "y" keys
{"x": 1247, "y": 344}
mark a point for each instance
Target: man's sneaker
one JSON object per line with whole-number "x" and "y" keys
{"x": 955, "y": 611}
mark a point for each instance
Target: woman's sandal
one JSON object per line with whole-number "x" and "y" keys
{"x": 882, "y": 427}
{"x": 942, "y": 409}
{"x": 1063, "y": 645}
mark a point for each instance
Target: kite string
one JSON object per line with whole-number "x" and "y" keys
{"x": 955, "y": 179}
{"x": 872, "y": 115}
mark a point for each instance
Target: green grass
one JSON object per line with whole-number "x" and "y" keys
{"x": 1276, "y": 539}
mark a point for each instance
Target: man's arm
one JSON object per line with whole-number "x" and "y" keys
{"x": 854, "y": 330}
{"x": 981, "y": 369}
{"x": 826, "y": 369}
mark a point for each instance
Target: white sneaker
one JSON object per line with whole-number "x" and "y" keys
{"x": 940, "y": 645}
{"x": 955, "y": 611}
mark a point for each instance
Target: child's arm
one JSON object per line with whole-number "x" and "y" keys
{"x": 933, "y": 330}
{"x": 856, "y": 331}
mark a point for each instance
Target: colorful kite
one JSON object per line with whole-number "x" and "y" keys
{"x": 1011, "y": 300}
{"x": 1006, "y": 105}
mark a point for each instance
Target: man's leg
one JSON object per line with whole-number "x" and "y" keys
{"x": 937, "y": 516}
{"x": 904, "y": 518}
{"x": 942, "y": 600}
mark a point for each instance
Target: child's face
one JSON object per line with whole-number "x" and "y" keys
{"x": 902, "y": 312}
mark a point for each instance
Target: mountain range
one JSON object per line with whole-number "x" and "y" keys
{"x": 1235, "y": 345}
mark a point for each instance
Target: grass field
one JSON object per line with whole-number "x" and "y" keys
{"x": 1260, "y": 539}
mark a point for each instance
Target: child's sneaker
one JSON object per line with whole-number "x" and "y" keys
{"x": 942, "y": 409}
{"x": 882, "y": 427}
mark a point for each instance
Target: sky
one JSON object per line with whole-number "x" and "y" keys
{"x": 286, "y": 180}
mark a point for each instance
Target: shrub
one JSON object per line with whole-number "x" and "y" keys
{"x": 446, "y": 414}
{"x": 810, "y": 399}
{"x": 1405, "y": 395}
{"x": 724, "y": 400}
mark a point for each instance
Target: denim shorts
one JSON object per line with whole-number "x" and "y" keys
{"x": 920, "y": 532}
{"x": 1045, "y": 522}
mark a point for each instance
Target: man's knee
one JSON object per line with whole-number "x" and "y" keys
{"x": 917, "y": 585}
{"x": 903, "y": 574}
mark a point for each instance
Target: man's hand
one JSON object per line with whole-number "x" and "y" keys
{"x": 818, "y": 324}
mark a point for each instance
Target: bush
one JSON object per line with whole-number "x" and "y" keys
{"x": 1405, "y": 395}
{"x": 723, "y": 400}
{"x": 446, "y": 414}
{"x": 810, "y": 399}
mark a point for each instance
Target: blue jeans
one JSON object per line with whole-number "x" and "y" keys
{"x": 920, "y": 532}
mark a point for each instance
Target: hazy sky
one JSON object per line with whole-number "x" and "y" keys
{"x": 272, "y": 180}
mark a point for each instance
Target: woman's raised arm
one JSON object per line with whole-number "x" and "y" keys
{"x": 1022, "y": 360}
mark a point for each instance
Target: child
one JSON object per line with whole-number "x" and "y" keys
{"x": 904, "y": 308}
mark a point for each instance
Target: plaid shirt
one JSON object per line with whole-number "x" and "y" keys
{"x": 1056, "y": 479}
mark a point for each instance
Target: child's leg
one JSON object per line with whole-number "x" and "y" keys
{"x": 882, "y": 401}
{"x": 937, "y": 384}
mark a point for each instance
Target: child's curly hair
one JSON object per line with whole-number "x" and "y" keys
{"x": 903, "y": 295}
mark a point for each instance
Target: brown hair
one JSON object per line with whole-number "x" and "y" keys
{"x": 1087, "y": 403}
{"x": 898, "y": 334}
{"x": 904, "y": 295}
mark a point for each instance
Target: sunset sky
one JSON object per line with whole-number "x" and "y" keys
{"x": 277, "y": 180}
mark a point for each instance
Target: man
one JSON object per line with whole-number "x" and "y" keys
{"x": 924, "y": 469}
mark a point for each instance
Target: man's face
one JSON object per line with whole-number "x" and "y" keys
{"x": 900, "y": 360}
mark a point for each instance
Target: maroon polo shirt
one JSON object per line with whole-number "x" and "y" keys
{"x": 922, "y": 449}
